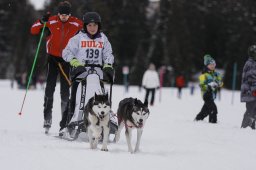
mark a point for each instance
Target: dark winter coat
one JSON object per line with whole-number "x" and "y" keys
{"x": 248, "y": 84}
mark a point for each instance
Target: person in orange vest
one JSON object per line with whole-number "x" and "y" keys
{"x": 59, "y": 29}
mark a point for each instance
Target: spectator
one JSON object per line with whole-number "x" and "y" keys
{"x": 150, "y": 82}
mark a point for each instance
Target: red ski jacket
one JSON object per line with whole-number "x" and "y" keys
{"x": 60, "y": 33}
{"x": 180, "y": 81}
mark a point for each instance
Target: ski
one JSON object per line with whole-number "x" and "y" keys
{"x": 65, "y": 138}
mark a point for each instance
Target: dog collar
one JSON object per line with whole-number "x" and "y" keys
{"x": 131, "y": 125}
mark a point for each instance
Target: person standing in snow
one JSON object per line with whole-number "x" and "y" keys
{"x": 248, "y": 89}
{"x": 180, "y": 83}
{"x": 88, "y": 49}
{"x": 59, "y": 29}
{"x": 209, "y": 82}
{"x": 150, "y": 82}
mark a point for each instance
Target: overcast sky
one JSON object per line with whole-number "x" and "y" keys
{"x": 38, "y": 4}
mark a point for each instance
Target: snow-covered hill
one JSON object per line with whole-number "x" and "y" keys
{"x": 171, "y": 139}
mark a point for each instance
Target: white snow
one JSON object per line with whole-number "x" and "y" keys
{"x": 171, "y": 139}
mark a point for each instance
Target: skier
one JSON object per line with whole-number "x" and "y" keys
{"x": 248, "y": 89}
{"x": 150, "y": 82}
{"x": 209, "y": 82}
{"x": 87, "y": 52}
{"x": 59, "y": 29}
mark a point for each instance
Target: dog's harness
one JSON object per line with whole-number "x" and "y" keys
{"x": 128, "y": 126}
{"x": 98, "y": 119}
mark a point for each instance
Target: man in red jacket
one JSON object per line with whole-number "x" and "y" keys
{"x": 59, "y": 29}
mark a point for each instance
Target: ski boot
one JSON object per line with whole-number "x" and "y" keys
{"x": 248, "y": 121}
{"x": 47, "y": 126}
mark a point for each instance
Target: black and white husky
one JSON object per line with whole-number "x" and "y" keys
{"x": 131, "y": 114}
{"x": 96, "y": 119}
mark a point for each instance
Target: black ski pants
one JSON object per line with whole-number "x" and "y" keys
{"x": 152, "y": 91}
{"x": 249, "y": 115}
{"x": 66, "y": 117}
{"x": 209, "y": 108}
{"x": 179, "y": 92}
{"x": 53, "y": 70}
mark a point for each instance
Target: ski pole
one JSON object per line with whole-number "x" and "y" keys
{"x": 111, "y": 85}
{"x": 110, "y": 97}
{"x": 33, "y": 66}
{"x": 64, "y": 74}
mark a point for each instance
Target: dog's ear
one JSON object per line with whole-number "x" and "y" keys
{"x": 146, "y": 103}
{"x": 95, "y": 96}
{"x": 135, "y": 101}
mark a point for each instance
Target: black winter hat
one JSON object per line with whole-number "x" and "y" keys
{"x": 90, "y": 17}
{"x": 64, "y": 8}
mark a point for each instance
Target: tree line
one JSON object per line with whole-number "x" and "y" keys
{"x": 175, "y": 34}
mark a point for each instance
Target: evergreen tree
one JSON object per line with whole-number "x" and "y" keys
{"x": 15, "y": 43}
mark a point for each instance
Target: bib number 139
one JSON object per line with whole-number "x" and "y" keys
{"x": 92, "y": 53}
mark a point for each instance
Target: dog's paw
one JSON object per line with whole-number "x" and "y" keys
{"x": 104, "y": 149}
{"x": 93, "y": 146}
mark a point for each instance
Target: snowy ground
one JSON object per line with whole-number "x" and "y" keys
{"x": 171, "y": 139}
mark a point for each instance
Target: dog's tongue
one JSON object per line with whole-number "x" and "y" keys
{"x": 140, "y": 125}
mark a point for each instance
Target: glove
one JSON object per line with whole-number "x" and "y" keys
{"x": 108, "y": 73}
{"x": 254, "y": 93}
{"x": 75, "y": 63}
{"x": 76, "y": 71}
{"x": 45, "y": 17}
{"x": 213, "y": 85}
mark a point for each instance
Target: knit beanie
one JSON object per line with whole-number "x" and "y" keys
{"x": 64, "y": 8}
{"x": 208, "y": 60}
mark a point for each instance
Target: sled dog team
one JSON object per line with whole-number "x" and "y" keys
{"x": 131, "y": 114}
{"x": 80, "y": 49}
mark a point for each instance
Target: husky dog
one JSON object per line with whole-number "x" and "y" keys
{"x": 96, "y": 119}
{"x": 132, "y": 114}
